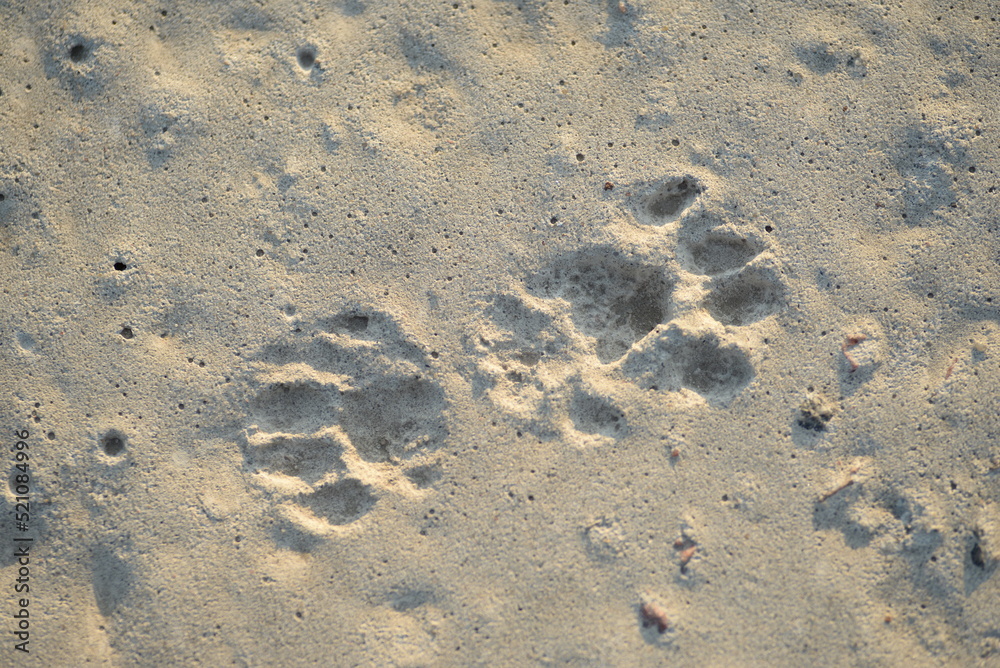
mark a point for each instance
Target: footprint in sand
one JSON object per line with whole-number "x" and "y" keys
{"x": 665, "y": 321}
{"x": 728, "y": 264}
{"x": 343, "y": 412}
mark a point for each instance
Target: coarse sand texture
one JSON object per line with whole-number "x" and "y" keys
{"x": 500, "y": 333}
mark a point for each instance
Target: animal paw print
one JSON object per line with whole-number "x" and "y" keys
{"x": 664, "y": 320}
{"x": 739, "y": 279}
{"x": 341, "y": 408}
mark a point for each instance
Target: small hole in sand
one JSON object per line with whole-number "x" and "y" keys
{"x": 113, "y": 443}
{"x": 307, "y": 58}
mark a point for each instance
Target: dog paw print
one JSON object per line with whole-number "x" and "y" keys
{"x": 665, "y": 320}
{"x": 340, "y": 409}
{"x": 726, "y": 280}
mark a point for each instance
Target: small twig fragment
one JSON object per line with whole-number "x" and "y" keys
{"x": 851, "y": 470}
{"x": 951, "y": 367}
{"x": 842, "y": 486}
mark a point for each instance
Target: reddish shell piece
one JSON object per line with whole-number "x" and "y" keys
{"x": 687, "y": 554}
{"x": 654, "y": 615}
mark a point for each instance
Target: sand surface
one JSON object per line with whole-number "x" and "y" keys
{"x": 500, "y": 333}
